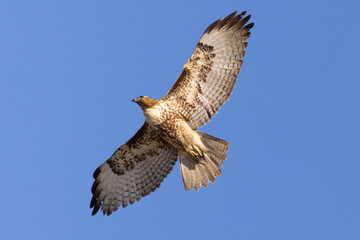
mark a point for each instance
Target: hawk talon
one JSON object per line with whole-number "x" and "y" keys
{"x": 193, "y": 153}
{"x": 196, "y": 152}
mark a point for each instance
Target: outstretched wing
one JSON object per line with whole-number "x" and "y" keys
{"x": 135, "y": 170}
{"x": 209, "y": 76}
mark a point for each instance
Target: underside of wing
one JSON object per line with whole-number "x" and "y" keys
{"x": 209, "y": 76}
{"x": 135, "y": 170}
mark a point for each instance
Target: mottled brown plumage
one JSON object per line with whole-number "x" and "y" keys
{"x": 170, "y": 130}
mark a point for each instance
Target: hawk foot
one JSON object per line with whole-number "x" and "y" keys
{"x": 196, "y": 152}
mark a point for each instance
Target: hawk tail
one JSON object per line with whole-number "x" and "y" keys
{"x": 199, "y": 172}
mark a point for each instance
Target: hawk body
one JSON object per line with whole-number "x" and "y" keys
{"x": 170, "y": 130}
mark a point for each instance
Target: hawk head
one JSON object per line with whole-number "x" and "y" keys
{"x": 144, "y": 102}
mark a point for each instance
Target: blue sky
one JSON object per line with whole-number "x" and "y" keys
{"x": 69, "y": 69}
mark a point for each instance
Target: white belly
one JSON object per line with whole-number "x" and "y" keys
{"x": 153, "y": 115}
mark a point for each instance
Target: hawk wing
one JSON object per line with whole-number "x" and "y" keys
{"x": 135, "y": 170}
{"x": 209, "y": 76}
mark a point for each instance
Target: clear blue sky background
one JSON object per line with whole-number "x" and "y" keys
{"x": 68, "y": 70}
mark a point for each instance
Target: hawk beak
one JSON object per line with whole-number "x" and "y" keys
{"x": 133, "y": 100}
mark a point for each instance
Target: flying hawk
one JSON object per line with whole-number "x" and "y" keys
{"x": 139, "y": 166}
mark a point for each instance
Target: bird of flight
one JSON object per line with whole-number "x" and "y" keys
{"x": 139, "y": 166}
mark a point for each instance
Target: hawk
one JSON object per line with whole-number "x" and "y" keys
{"x": 139, "y": 166}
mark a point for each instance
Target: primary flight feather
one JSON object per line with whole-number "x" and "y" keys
{"x": 139, "y": 166}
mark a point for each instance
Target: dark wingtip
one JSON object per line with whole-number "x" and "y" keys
{"x": 233, "y": 20}
{"x": 95, "y": 210}
{"x": 94, "y": 186}
{"x": 96, "y": 172}
{"x": 250, "y": 25}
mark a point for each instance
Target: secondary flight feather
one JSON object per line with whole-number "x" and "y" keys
{"x": 139, "y": 166}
